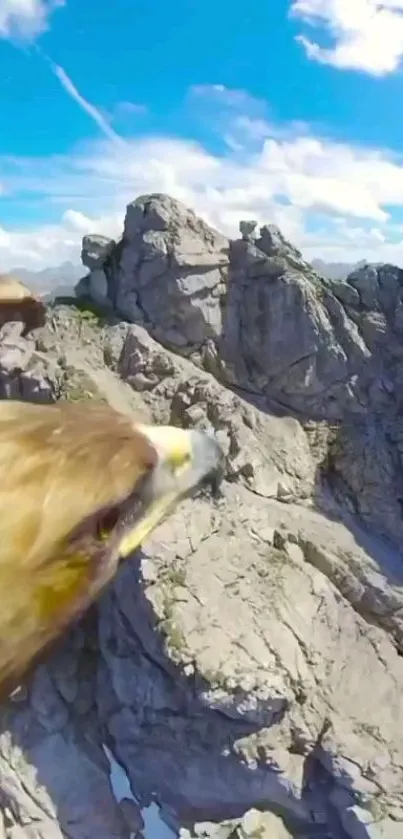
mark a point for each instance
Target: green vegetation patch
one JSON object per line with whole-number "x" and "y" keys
{"x": 77, "y": 386}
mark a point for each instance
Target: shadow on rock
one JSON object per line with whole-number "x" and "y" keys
{"x": 54, "y": 771}
{"x": 162, "y": 727}
{"x": 110, "y": 681}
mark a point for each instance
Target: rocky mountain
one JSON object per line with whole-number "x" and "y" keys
{"x": 246, "y": 667}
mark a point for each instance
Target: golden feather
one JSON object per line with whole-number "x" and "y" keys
{"x": 80, "y": 486}
{"x": 18, "y": 303}
{"x": 12, "y": 289}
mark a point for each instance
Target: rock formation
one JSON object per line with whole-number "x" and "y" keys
{"x": 246, "y": 669}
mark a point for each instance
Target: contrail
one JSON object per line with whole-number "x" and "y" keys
{"x": 72, "y": 91}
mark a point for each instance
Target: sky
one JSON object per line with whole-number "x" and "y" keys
{"x": 283, "y": 111}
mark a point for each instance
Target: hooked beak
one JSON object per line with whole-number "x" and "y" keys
{"x": 187, "y": 459}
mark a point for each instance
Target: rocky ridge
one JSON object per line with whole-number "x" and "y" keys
{"x": 245, "y": 669}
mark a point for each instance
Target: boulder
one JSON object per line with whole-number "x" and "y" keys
{"x": 171, "y": 272}
{"x": 95, "y": 251}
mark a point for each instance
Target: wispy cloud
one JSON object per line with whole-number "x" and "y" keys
{"x": 25, "y": 19}
{"x": 238, "y": 117}
{"x": 227, "y": 99}
{"x": 134, "y": 108}
{"x": 225, "y": 96}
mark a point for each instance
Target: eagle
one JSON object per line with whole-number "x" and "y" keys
{"x": 81, "y": 487}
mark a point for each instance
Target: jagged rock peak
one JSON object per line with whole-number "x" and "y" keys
{"x": 254, "y": 313}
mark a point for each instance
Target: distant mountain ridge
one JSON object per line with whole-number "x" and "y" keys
{"x": 336, "y": 270}
{"x": 58, "y": 279}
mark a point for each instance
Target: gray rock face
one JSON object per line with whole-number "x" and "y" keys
{"x": 172, "y": 272}
{"x": 246, "y": 667}
{"x": 285, "y": 336}
{"x": 24, "y": 374}
{"x": 54, "y": 771}
{"x": 265, "y": 680}
{"x": 247, "y": 230}
{"x": 366, "y": 457}
{"x": 95, "y": 250}
{"x": 252, "y": 824}
{"x": 269, "y": 455}
{"x": 277, "y": 329}
{"x": 261, "y": 320}
{"x": 95, "y": 286}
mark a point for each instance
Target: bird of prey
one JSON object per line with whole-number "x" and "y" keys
{"x": 81, "y": 487}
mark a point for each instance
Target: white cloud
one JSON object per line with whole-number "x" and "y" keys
{"x": 52, "y": 244}
{"x": 300, "y": 182}
{"x": 25, "y": 19}
{"x": 332, "y": 199}
{"x": 367, "y": 35}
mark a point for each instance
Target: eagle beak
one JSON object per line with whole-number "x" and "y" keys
{"x": 187, "y": 458}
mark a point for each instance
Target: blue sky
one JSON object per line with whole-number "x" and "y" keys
{"x": 287, "y": 112}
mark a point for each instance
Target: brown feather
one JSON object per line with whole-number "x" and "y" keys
{"x": 60, "y": 466}
{"x": 18, "y": 303}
